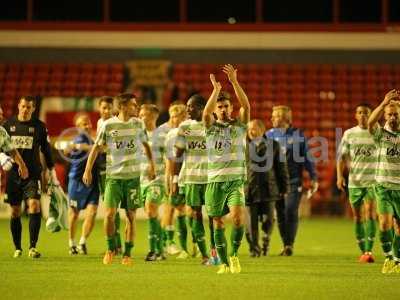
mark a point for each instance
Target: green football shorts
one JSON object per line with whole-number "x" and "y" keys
{"x": 102, "y": 183}
{"x": 358, "y": 195}
{"x": 222, "y": 195}
{"x": 195, "y": 194}
{"x": 124, "y": 193}
{"x": 388, "y": 201}
{"x": 153, "y": 193}
{"x": 177, "y": 199}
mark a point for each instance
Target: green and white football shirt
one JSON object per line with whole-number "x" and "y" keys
{"x": 388, "y": 170}
{"x": 192, "y": 139}
{"x": 157, "y": 144}
{"x": 124, "y": 147}
{"x": 5, "y": 140}
{"x": 359, "y": 146}
{"x": 226, "y": 144}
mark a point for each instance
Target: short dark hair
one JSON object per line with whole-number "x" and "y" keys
{"x": 363, "y": 104}
{"x": 223, "y": 96}
{"x": 124, "y": 98}
{"x": 151, "y": 108}
{"x": 106, "y": 99}
{"x": 198, "y": 100}
{"x": 28, "y": 99}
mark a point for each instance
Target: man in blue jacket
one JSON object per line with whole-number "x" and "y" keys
{"x": 294, "y": 145}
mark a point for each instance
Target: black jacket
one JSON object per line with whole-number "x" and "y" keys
{"x": 29, "y": 138}
{"x": 268, "y": 175}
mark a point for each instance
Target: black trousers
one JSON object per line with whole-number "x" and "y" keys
{"x": 287, "y": 212}
{"x": 260, "y": 212}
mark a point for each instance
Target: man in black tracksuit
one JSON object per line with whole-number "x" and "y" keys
{"x": 268, "y": 181}
{"x": 29, "y": 136}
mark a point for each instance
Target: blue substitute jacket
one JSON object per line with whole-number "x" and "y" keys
{"x": 294, "y": 144}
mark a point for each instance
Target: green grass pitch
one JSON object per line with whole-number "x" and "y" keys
{"x": 324, "y": 266}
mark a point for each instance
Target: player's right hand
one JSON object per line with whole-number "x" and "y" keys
{"x": 341, "y": 184}
{"x": 87, "y": 178}
{"x": 214, "y": 82}
{"x": 392, "y": 95}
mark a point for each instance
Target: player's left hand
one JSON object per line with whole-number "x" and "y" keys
{"x": 87, "y": 178}
{"x": 53, "y": 177}
{"x": 152, "y": 172}
{"x": 231, "y": 72}
{"x": 313, "y": 190}
{"x": 23, "y": 171}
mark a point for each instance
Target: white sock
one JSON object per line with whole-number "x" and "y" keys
{"x": 71, "y": 243}
{"x": 170, "y": 228}
{"x": 82, "y": 240}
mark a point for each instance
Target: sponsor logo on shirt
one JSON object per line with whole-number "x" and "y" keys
{"x": 392, "y": 151}
{"x": 22, "y": 142}
{"x": 197, "y": 145}
{"x": 125, "y": 144}
{"x": 363, "y": 151}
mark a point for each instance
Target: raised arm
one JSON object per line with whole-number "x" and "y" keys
{"x": 208, "y": 118}
{"x": 244, "y": 112}
{"x": 377, "y": 113}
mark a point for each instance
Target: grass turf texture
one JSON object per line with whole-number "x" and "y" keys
{"x": 324, "y": 266}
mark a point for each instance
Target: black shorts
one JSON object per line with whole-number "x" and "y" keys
{"x": 18, "y": 190}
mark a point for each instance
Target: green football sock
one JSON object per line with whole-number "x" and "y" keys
{"x": 396, "y": 248}
{"x": 170, "y": 230}
{"x": 370, "y": 230}
{"x": 211, "y": 227}
{"x": 117, "y": 235}
{"x": 360, "y": 235}
{"x": 190, "y": 222}
{"x": 386, "y": 238}
{"x": 110, "y": 243}
{"x": 128, "y": 248}
{"x": 236, "y": 239}
{"x": 199, "y": 234}
{"x": 220, "y": 244}
{"x": 160, "y": 238}
{"x": 163, "y": 236}
{"x": 182, "y": 231}
{"x": 153, "y": 234}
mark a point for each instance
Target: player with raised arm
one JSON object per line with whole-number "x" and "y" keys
{"x": 226, "y": 143}
{"x": 387, "y": 177}
{"x": 124, "y": 136}
{"x": 28, "y": 135}
{"x": 358, "y": 149}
